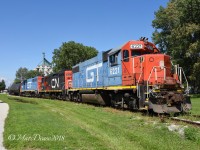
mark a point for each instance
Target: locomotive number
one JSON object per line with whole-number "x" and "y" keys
{"x": 136, "y": 46}
{"x": 114, "y": 70}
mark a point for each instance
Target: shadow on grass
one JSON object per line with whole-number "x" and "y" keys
{"x": 22, "y": 100}
{"x": 195, "y": 96}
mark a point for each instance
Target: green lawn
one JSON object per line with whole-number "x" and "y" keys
{"x": 195, "y": 105}
{"x": 57, "y": 125}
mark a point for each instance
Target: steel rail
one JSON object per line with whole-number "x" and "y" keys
{"x": 186, "y": 121}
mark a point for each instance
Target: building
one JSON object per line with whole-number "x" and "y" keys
{"x": 44, "y": 66}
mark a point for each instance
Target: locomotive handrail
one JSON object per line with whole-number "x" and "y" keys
{"x": 179, "y": 72}
{"x": 187, "y": 89}
{"x": 141, "y": 72}
{"x": 156, "y": 77}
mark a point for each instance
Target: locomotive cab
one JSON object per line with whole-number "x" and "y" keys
{"x": 133, "y": 54}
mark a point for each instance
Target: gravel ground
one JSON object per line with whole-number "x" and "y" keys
{"x": 3, "y": 114}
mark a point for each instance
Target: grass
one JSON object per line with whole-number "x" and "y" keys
{"x": 195, "y": 100}
{"x": 195, "y": 105}
{"x": 57, "y": 125}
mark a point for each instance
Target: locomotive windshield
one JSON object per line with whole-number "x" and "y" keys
{"x": 135, "y": 53}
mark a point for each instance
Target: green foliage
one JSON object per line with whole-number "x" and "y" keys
{"x": 33, "y": 73}
{"x": 24, "y": 73}
{"x": 21, "y": 73}
{"x": 2, "y": 85}
{"x": 177, "y": 32}
{"x": 70, "y": 54}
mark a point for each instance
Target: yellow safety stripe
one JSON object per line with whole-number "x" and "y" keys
{"x": 51, "y": 91}
{"x": 105, "y": 88}
{"x": 79, "y": 89}
{"x": 28, "y": 91}
{"x": 120, "y": 87}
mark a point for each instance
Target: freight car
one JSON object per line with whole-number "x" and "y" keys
{"x": 15, "y": 89}
{"x": 134, "y": 75}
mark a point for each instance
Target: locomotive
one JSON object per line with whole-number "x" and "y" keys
{"x": 134, "y": 75}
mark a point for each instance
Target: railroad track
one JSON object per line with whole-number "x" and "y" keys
{"x": 196, "y": 123}
{"x": 188, "y": 121}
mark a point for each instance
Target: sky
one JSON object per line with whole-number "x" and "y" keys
{"x": 30, "y": 27}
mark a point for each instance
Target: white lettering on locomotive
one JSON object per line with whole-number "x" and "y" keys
{"x": 114, "y": 70}
{"x": 29, "y": 85}
{"x": 90, "y": 74}
{"x": 136, "y": 46}
{"x": 55, "y": 83}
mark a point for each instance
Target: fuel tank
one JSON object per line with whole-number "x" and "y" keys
{"x": 93, "y": 98}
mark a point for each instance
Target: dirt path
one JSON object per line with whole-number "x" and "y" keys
{"x": 3, "y": 114}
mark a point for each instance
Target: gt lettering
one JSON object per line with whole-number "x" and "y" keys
{"x": 90, "y": 74}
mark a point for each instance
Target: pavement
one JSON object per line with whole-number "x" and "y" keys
{"x": 4, "y": 108}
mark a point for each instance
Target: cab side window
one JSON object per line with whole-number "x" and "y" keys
{"x": 126, "y": 55}
{"x": 113, "y": 59}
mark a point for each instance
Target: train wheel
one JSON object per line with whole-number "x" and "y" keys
{"x": 79, "y": 98}
{"x": 117, "y": 101}
{"x": 113, "y": 103}
{"x": 133, "y": 104}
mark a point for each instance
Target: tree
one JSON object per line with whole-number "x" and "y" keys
{"x": 71, "y": 53}
{"x": 21, "y": 74}
{"x": 33, "y": 73}
{"x": 177, "y": 32}
{"x": 2, "y": 85}
{"x": 24, "y": 73}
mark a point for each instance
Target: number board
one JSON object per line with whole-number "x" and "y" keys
{"x": 136, "y": 46}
